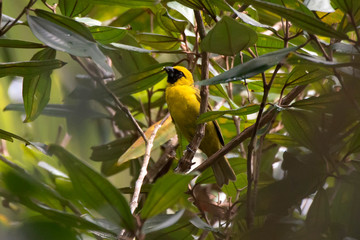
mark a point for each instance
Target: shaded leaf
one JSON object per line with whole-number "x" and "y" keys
{"x": 298, "y": 126}
{"x": 228, "y": 37}
{"x": 65, "y": 22}
{"x": 250, "y": 68}
{"x": 112, "y": 150}
{"x": 212, "y": 115}
{"x": 99, "y": 193}
{"x": 345, "y": 48}
{"x": 318, "y": 217}
{"x": 165, "y": 193}
{"x": 139, "y": 81}
{"x": 161, "y": 221}
{"x": 237, "y": 164}
{"x": 61, "y": 110}
{"x": 28, "y": 68}
{"x": 305, "y": 74}
{"x": 281, "y": 140}
{"x": 126, "y": 3}
{"x": 300, "y": 19}
{"x": 314, "y": 60}
{"x": 65, "y": 40}
{"x": 137, "y": 149}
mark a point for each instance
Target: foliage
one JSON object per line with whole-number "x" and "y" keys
{"x": 284, "y": 80}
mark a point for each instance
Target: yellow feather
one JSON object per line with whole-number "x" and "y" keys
{"x": 184, "y": 106}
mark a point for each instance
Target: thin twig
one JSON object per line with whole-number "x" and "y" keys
{"x": 185, "y": 161}
{"x": 98, "y": 77}
{"x": 139, "y": 182}
{"x": 250, "y": 156}
{"x": 8, "y": 27}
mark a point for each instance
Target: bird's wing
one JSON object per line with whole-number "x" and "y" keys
{"x": 216, "y": 125}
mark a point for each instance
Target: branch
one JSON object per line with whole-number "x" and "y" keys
{"x": 98, "y": 76}
{"x": 185, "y": 162}
{"x": 251, "y": 166}
{"x": 7, "y": 27}
{"x": 139, "y": 182}
{"x": 267, "y": 117}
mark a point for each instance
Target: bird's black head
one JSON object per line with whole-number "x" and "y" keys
{"x": 173, "y": 74}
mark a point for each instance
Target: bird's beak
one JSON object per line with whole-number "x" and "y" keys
{"x": 169, "y": 69}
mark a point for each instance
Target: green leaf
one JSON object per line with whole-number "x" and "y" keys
{"x": 161, "y": 221}
{"x": 247, "y": 19}
{"x": 36, "y": 89}
{"x": 99, "y": 193}
{"x": 71, "y": 8}
{"x": 12, "y": 43}
{"x": 107, "y": 34}
{"x": 62, "y": 110}
{"x": 212, "y": 115}
{"x": 165, "y": 193}
{"x": 170, "y": 23}
{"x": 34, "y": 67}
{"x": 219, "y": 90}
{"x": 139, "y": 81}
{"x": 188, "y": 13}
{"x": 8, "y": 136}
{"x": 137, "y": 149}
{"x": 63, "y": 39}
{"x": 250, "y": 68}
{"x": 300, "y": 19}
{"x": 228, "y": 37}
{"x": 127, "y": 3}
{"x": 157, "y": 41}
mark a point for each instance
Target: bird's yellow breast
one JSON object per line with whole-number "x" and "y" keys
{"x": 184, "y": 107}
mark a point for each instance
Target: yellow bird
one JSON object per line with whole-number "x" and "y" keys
{"x": 183, "y": 101}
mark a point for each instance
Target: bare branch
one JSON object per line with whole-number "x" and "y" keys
{"x": 139, "y": 182}
{"x": 8, "y": 27}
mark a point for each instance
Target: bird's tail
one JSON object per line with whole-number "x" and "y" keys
{"x": 223, "y": 172}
